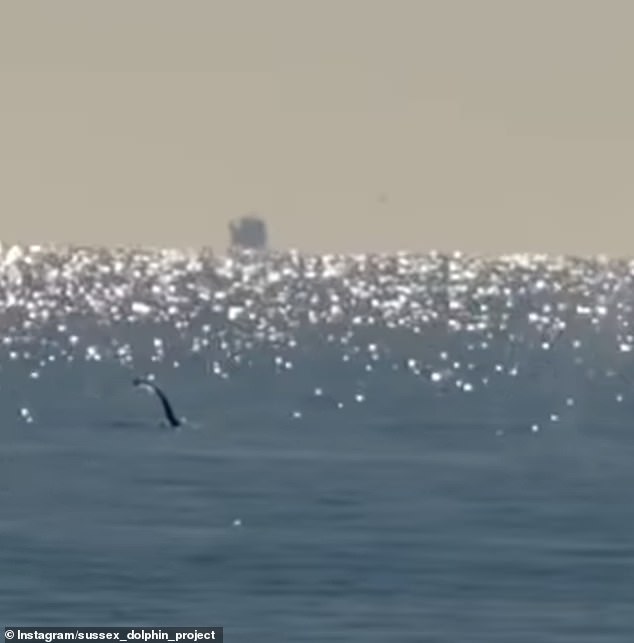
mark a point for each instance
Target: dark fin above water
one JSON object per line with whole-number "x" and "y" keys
{"x": 167, "y": 407}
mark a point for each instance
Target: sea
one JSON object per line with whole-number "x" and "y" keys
{"x": 413, "y": 448}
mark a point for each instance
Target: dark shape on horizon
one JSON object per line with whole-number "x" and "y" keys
{"x": 167, "y": 407}
{"x": 249, "y": 233}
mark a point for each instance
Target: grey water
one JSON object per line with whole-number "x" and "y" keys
{"x": 432, "y": 472}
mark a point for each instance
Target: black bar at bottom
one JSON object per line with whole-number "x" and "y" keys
{"x": 129, "y": 634}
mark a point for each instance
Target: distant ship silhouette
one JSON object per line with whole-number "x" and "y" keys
{"x": 248, "y": 233}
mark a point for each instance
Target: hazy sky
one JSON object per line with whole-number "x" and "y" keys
{"x": 487, "y": 125}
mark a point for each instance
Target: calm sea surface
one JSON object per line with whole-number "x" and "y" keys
{"x": 405, "y": 448}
